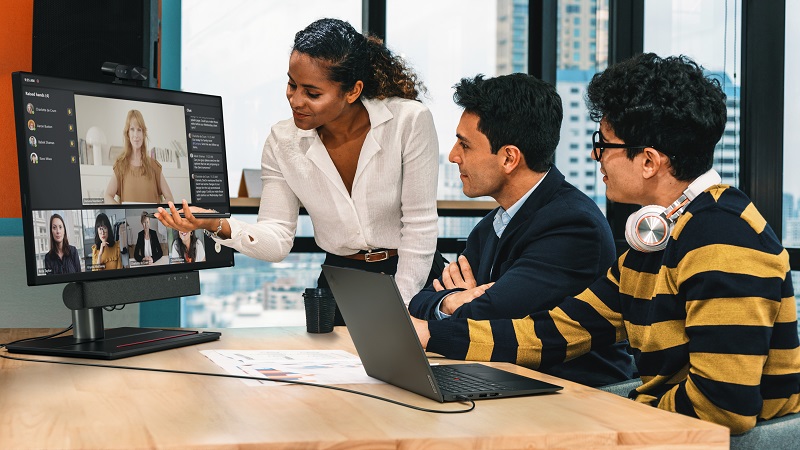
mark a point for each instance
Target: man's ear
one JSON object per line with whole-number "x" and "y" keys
{"x": 652, "y": 162}
{"x": 512, "y": 157}
{"x": 353, "y": 94}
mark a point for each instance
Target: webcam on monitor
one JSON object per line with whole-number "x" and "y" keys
{"x": 125, "y": 74}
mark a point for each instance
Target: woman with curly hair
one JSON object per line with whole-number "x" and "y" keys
{"x": 360, "y": 154}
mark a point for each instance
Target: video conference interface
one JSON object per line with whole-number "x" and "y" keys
{"x": 100, "y": 157}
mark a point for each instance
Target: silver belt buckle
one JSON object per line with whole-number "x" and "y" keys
{"x": 382, "y": 255}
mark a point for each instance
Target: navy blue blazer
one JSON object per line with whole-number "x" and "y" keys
{"x": 557, "y": 244}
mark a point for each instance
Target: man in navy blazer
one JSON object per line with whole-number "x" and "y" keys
{"x": 546, "y": 241}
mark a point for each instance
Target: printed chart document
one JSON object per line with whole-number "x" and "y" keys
{"x": 310, "y": 366}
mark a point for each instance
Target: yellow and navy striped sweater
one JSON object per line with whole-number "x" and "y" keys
{"x": 711, "y": 319}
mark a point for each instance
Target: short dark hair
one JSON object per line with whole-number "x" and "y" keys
{"x": 665, "y": 103}
{"x": 516, "y": 109}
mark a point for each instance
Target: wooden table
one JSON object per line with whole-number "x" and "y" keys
{"x": 55, "y": 406}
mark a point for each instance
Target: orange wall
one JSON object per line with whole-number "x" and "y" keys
{"x": 16, "y": 37}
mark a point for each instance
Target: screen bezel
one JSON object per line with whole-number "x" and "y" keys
{"x": 224, "y": 258}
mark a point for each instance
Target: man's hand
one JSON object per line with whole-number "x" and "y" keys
{"x": 421, "y": 326}
{"x": 454, "y": 301}
{"x": 456, "y": 275}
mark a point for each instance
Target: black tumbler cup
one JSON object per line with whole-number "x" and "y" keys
{"x": 320, "y": 310}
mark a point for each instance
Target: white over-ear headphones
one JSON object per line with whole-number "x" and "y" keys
{"x": 648, "y": 229}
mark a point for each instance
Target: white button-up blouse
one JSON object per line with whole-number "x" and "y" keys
{"x": 393, "y": 201}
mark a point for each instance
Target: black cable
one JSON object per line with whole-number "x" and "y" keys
{"x": 37, "y": 337}
{"x": 247, "y": 377}
{"x": 114, "y": 308}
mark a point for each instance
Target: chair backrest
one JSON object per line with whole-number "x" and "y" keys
{"x": 775, "y": 434}
{"x": 623, "y": 388}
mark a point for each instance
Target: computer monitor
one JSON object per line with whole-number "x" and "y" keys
{"x": 94, "y": 160}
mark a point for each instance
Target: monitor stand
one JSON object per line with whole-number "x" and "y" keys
{"x": 90, "y": 340}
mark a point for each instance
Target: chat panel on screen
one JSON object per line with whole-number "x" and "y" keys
{"x": 206, "y": 156}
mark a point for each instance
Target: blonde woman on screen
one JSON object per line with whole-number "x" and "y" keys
{"x": 137, "y": 177}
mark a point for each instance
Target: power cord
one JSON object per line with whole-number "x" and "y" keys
{"x": 463, "y": 399}
{"x": 37, "y": 337}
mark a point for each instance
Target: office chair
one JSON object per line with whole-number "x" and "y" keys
{"x": 775, "y": 434}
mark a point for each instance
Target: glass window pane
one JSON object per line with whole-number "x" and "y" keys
{"x": 254, "y": 293}
{"x": 791, "y": 132}
{"x": 465, "y": 38}
{"x": 709, "y": 32}
{"x": 241, "y": 51}
{"x": 580, "y": 54}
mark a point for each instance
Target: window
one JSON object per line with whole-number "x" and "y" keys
{"x": 213, "y": 31}
{"x": 466, "y": 44}
{"x": 254, "y": 293}
{"x": 791, "y": 134}
{"x": 574, "y": 71}
{"x": 705, "y": 31}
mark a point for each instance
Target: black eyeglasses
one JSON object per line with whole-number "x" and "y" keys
{"x": 599, "y": 146}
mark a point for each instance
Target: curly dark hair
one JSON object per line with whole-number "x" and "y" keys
{"x": 353, "y": 57}
{"x": 516, "y": 109}
{"x": 664, "y": 103}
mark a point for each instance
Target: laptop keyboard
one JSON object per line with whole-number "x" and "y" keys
{"x": 453, "y": 380}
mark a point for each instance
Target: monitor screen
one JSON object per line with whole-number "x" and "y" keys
{"x": 96, "y": 158}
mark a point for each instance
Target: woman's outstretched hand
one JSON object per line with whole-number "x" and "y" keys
{"x": 172, "y": 218}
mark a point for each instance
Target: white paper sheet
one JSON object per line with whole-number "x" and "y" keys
{"x": 309, "y": 366}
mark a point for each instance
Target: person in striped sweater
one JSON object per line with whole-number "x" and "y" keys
{"x": 704, "y": 295}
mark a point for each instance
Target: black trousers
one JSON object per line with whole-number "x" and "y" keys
{"x": 388, "y": 266}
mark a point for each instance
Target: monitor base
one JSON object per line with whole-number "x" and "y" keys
{"x": 116, "y": 343}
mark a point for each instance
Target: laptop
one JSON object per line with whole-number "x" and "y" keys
{"x": 390, "y": 351}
